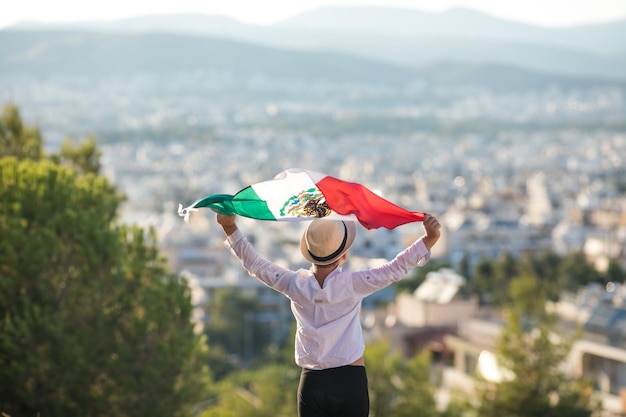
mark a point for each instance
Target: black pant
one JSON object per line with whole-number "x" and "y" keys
{"x": 334, "y": 392}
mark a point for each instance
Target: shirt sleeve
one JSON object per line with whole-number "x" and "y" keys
{"x": 371, "y": 280}
{"x": 272, "y": 275}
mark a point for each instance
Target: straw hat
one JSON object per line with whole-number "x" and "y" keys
{"x": 324, "y": 241}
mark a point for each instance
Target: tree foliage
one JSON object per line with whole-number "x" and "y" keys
{"x": 491, "y": 278}
{"x": 21, "y": 141}
{"x": 91, "y": 321}
{"x": 614, "y": 272}
{"x": 575, "y": 271}
{"x": 18, "y": 139}
{"x": 267, "y": 391}
{"x": 398, "y": 388}
{"x": 84, "y": 157}
{"x": 531, "y": 349}
{"x": 232, "y": 326}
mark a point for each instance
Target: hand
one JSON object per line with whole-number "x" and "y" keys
{"x": 224, "y": 220}
{"x": 227, "y": 223}
{"x": 432, "y": 230}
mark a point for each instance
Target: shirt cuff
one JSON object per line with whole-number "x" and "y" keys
{"x": 233, "y": 238}
{"x": 422, "y": 252}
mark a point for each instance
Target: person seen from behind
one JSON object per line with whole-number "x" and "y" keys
{"x": 326, "y": 303}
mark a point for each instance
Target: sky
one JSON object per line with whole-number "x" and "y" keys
{"x": 548, "y": 13}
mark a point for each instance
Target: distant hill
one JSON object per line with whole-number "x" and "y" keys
{"x": 101, "y": 54}
{"x": 410, "y": 37}
{"x": 605, "y": 38}
{"x": 97, "y": 53}
{"x": 186, "y": 23}
{"x": 503, "y": 78}
{"x": 420, "y": 52}
{"x": 408, "y": 23}
{"x": 406, "y": 37}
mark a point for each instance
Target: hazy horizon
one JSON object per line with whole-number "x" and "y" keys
{"x": 547, "y": 13}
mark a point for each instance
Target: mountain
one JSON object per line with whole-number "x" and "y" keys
{"x": 387, "y": 22}
{"x": 102, "y": 54}
{"x": 416, "y": 52}
{"x": 503, "y": 78}
{"x": 184, "y": 23}
{"x": 405, "y": 37}
{"x": 457, "y": 23}
{"x": 407, "y": 23}
{"x": 98, "y": 53}
{"x": 413, "y": 38}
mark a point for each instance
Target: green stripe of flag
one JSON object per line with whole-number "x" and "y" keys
{"x": 245, "y": 203}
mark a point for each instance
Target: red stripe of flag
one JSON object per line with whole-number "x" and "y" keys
{"x": 372, "y": 210}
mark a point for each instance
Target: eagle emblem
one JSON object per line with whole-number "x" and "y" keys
{"x": 307, "y": 203}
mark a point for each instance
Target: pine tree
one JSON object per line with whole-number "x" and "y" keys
{"x": 531, "y": 349}
{"x": 398, "y": 388}
{"x": 92, "y": 323}
{"x": 16, "y": 138}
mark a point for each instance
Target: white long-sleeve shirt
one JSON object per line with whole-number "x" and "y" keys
{"x": 329, "y": 332}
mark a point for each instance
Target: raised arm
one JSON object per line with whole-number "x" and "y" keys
{"x": 267, "y": 272}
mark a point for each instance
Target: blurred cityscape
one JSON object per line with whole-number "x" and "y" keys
{"x": 505, "y": 170}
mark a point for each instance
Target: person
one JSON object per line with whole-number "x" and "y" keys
{"x": 326, "y": 303}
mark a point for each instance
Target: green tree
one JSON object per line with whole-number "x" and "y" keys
{"x": 614, "y": 272}
{"x": 483, "y": 278}
{"x": 465, "y": 270}
{"x": 91, "y": 321}
{"x": 532, "y": 351}
{"x": 84, "y": 157}
{"x": 268, "y": 391}
{"x": 21, "y": 141}
{"x": 18, "y": 139}
{"x": 545, "y": 266}
{"x": 575, "y": 270}
{"x": 398, "y": 388}
{"x": 506, "y": 268}
{"x": 232, "y": 325}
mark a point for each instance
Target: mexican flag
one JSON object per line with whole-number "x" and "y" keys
{"x": 298, "y": 194}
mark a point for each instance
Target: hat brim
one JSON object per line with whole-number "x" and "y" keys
{"x": 351, "y": 229}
